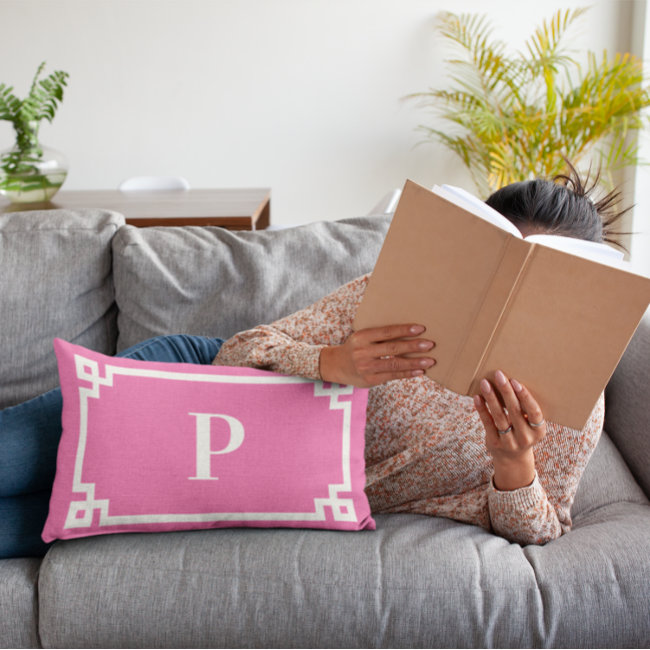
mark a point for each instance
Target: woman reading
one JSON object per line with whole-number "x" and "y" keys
{"x": 491, "y": 460}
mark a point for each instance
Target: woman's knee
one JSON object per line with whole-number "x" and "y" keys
{"x": 175, "y": 348}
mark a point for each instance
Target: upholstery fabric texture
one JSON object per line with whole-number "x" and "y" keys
{"x": 607, "y": 480}
{"x": 55, "y": 267}
{"x": 214, "y": 282}
{"x": 405, "y": 585}
{"x": 151, "y": 446}
{"x": 627, "y": 399}
{"x": 19, "y": 603}
{"x": 388, "y": 588}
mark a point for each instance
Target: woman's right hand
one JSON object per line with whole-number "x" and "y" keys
{"x": 376, "y": 355}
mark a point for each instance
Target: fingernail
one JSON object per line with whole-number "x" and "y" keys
{"x": 516, "y": 385}
{"x": 426, "y": 363}
{"x": 417, "y": 373}
{"x": 416, "y": 329}
{"x": 477, "y": 401}
{"x": 425, "y": 345}
{"x": 485, "y": 386}
{"x": 500, "y": 378}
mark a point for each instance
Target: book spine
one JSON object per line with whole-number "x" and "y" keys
{"x": 464, "y": 375}
{"x": 479, "y": 370}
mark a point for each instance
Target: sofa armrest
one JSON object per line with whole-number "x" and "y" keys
{"x": 627, "y": 405}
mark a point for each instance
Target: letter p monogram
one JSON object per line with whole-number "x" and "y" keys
{"x": 203, "y": 451}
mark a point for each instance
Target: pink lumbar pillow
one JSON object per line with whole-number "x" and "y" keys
{"x": 150, "y": 446}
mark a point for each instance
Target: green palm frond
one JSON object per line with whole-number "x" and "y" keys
{"x": 545, "y": 45}
{"x": 514, "y": 116}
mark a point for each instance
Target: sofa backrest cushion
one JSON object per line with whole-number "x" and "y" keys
{"x": 55, "y": 267}
{"x": 607, "y": 480}
{"x": 216, "y": 282}
{"x": 627, "y": 418}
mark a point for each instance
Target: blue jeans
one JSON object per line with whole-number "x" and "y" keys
{"x": 29, "y": 439}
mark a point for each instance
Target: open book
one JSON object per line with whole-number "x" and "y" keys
{"x": 554, "y": 312}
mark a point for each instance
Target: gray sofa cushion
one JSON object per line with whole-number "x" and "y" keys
{"x": 627, "y": 399}
{"x": 18, "y": 603}
{"x": 607, "y": 480}
{"x": 55, "y": 267}
{"x": 216, "y": 282}
{"x": 416, "y": 581}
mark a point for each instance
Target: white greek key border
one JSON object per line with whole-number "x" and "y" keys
{"x": 80, "y": 512}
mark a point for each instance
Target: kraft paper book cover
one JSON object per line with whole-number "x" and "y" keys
{"x": 556, "y": 321}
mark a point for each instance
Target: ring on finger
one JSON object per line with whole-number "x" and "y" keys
{"x": 502, "y": 432}
{"x": 536, "y": 424}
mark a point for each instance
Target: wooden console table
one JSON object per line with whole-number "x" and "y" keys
{"x": 234, "y": 209}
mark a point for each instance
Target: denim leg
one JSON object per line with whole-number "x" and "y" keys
{"x": 21, "y": 522}
{"x": 29, "y": 439}
{"x": 175, "y": 348}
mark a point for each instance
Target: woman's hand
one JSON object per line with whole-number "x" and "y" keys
{"x": 512, "y": 431}
{"x": 376, "y": 355}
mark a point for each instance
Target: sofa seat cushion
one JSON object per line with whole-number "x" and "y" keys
{"x": 416, "y": 581}
{"x": 18, "y": 603}
{"x": 55, "y": 267}
{"x": 215, "y": 282}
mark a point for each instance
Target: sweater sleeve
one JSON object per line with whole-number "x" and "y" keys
{"x": 292, "y": 345}
{"x": 540, "y": 512}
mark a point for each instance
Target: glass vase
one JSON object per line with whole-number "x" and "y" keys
{"x": 33, "y": 175}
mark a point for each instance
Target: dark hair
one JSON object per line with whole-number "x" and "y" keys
{"x": 562, "y": 206}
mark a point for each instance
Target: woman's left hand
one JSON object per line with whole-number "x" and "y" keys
{"x": 513, "y": 426}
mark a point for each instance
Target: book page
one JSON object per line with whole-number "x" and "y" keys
{"x": 590, "y": 250}
{"x": 478, "y": 208}
{"x": 598, "y": 252}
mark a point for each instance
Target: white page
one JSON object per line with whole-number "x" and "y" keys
{"x": 478, "y": 208}
{"x": 590, "y": 250}
{"x": 595, "y": 251}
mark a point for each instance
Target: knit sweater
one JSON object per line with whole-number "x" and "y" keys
{"x": 425, "y": 445}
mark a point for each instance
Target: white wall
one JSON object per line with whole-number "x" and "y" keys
{"x": 299, "y": 95}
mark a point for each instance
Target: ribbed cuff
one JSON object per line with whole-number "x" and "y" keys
{"x": 522, "y": 498}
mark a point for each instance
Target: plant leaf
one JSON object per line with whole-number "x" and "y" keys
{"x": 512, "y": 116}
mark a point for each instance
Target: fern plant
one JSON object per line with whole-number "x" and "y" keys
{"x": 511, "y": 117}
{"x": 20, "y": 169}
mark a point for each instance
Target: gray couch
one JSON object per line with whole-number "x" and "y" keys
{"x": 414, "y": 582}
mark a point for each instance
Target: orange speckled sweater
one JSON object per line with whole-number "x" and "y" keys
{"x": 425, "y": 450}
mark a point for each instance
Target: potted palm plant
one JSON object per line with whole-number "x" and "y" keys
{"x": 511, "y": 117}
{"x": 30, "y": 172}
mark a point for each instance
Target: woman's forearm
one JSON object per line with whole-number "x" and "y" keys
{"x": 514, "y": 473}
